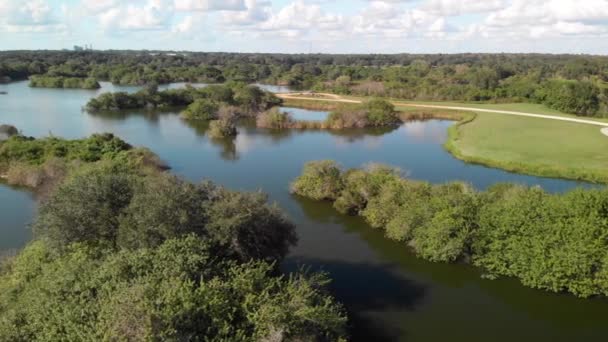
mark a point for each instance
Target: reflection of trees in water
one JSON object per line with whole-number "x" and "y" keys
{"x": 228, "y": 148}
{"x": 573, "y": 312}
{"x": 227, "y": 145}
{"x": 354, "y": 134}
{"x": 122, "y": 115}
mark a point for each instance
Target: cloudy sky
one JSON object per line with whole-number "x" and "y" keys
{"x": 330, "y": 26}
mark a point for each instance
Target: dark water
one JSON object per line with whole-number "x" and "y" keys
{"x": 391, "y": 295}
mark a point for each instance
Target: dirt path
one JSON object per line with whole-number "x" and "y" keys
{"x": 336, "y": 98}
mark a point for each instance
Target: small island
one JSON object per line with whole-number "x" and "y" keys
{"x": 44, "y": 81}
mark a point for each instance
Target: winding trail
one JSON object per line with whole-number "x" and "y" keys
{"x": 336, "y": 98}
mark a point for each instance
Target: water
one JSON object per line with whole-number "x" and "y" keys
{"x": 391, "y": 295}
{"x": 306, "y": 115}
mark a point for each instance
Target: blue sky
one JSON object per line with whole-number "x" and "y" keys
{"x": 294, "y": 26}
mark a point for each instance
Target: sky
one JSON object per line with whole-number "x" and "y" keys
{"x": 304, "y": 26}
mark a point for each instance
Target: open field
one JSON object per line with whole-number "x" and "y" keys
{"x": 536, "y": 140}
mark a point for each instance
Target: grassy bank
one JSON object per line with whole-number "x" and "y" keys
{"x": 532, "y": 146}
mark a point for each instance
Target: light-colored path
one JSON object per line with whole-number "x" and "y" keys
{"x": 337, "y": 98}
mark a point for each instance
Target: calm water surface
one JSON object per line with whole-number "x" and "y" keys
{"x": 390, "y": 294}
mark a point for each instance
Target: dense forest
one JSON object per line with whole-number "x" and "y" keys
{"x": 554, "y": 242}
{"x": 122, "y": 252}
{"x": 569, "y": 83}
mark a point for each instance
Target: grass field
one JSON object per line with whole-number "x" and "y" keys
{"x": 535, "y": 146}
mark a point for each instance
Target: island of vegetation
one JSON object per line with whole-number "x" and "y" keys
{"x": 554, "y": 242}
{"x": 121, "y": 254}
{"x": 44, "y": 81}
{"x": 41, "y": 164}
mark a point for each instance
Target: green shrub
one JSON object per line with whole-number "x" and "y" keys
{"x": 275, "y": 119}
{"x": 553, "y": 242}
{"x": 201, "y": 109}
{"x": 320, "y": 180}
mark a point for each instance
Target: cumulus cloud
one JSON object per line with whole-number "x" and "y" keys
{"x": 137, "y": 16}
{"x": 30, "y": 16}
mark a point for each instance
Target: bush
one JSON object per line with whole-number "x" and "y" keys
{"x": 320, "y": 180}
{"x": 201, "y": 109}
{"x": 275, "y": 119}
{"x": 118, "y": 209}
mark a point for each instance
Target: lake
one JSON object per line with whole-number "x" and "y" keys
{"x": 390, "y": 294}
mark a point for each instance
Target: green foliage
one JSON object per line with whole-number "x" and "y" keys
{"x": 63, "y": 82}
{"x": 202, "y": 103}
{"x": 380, "y": 113}
{"x": 373, "y": 113}
{"x": 37, "y": 151}
{"x": 118, "y": 209}
{"x": 201, "y": 109}
{"x": 176, "y": 291}
{"x": 552, "y": 242}
{"x": 577, "y": 97}
{"x": 320, "y": 180}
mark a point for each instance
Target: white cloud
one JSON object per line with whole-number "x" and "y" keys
{"x": 255, "y": 12}
{"x": 210, "y": 5}
{"x": 30, "y": 16}
{"x": 459, "y": 7}
{"x": 151, "y": 15}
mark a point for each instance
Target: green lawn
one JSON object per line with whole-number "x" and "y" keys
{"x": 535, "y": 146}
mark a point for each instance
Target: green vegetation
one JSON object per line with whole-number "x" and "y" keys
{"x": 201, "y": 109}
{"x": 42, "y": 163}
{"x": 372, "y": 113}
{"x": 571, "y": 83}
{"x": 203, "y": 103}
{"x": 554, "y": 242}
{"x": 531, "y": 145}
{"x": 125, "y": 256}
{"x": 63, "y": 82}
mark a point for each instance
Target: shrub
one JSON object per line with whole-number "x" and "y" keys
{"x": 201, "y": 109}
{"x": 275, "y": 119}
{"x": 320, "y": 180}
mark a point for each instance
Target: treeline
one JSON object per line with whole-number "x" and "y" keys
{"x": 63, "y": 82}
{"x": 554, "y": 242}
{"x": 558, "y": 81}
{"x": 120, "y": 254}
{"x": 249, "y": 99}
